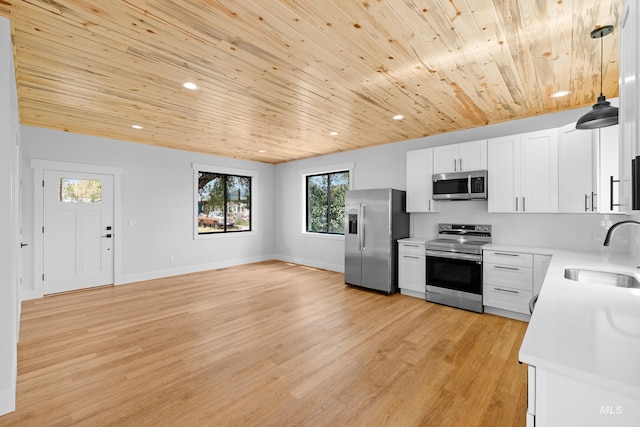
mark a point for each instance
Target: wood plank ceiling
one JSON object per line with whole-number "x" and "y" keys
{"x": 277, "y": 77}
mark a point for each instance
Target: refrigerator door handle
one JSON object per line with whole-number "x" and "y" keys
{"x": 362, "y": 235}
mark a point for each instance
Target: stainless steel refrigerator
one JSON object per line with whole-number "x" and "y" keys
{"x": 375, "y": 220}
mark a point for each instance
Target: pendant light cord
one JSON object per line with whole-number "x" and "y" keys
{"x": 601, "y": 65}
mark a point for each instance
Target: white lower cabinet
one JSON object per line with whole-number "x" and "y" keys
{"x": 507, "y": 280}
{"x": 556, "y": 400}
{"x": 412, "y": 269}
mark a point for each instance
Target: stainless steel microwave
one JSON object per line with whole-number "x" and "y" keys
{"x": 470, "y": 185}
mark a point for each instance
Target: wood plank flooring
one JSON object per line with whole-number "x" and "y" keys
{"x": 265, "y": 344}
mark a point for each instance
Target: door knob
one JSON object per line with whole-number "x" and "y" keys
{"x": 22, "y": 245}
{"x": 108, "y": 236}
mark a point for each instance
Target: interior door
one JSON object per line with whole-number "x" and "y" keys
{"x": 78, "y": 230}
{"x": 18, "y": 214}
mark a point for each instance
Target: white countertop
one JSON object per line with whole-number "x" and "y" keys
{"x": 418, "y": 240}
{"x": 587, "y": 331}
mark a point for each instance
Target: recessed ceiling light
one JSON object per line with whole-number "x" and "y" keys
{"x": 398, "y": 117}
{"x": 262, "y": 151}
{"x": 137, "y": 127}
{"x": 560, "y": 93}
{"x": 191, "y": 86}
{"x": 333, "y": 133}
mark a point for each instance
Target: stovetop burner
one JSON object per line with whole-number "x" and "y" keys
{"x": 464, "y": 238}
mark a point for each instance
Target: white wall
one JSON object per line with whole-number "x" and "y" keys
{"x": 157, "y": 191}
{"x": 8, "y": 224}
{"x": 385, "y": 166}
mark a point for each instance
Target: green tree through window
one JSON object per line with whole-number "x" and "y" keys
{"x": 325, "y": 202}
{"x": 224, "y": 203}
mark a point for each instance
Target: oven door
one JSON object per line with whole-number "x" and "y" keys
{"x": 459, "y": 272}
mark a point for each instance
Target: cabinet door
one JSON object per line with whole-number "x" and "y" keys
{"x": 575, "y": 170}
{"x": 472, "y": 155}
{"x": 412, "y": 271}
{"x": 608, "y": 168}
{"x": 445, "y": 159}
{"x": 540, "y": 266}
{"x": 419, "y": 182}
{"x": 502, "y": 177}
{"x": 629, "y": 98}
{"x": 539, "y": 171}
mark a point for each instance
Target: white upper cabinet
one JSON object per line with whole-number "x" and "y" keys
{"x": 419, "y": 181}
{"x": 503, "y": 176}
{"x": 468, "y": 156}
{"x": 629, "y": 98}
{"x": 588, "y": 165}
{"x": 609, "y": 169}
{"x": 576, "y": 177}
{"x": 523, "y": 173}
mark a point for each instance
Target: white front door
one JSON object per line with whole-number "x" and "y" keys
{"x": 78, "y": 230}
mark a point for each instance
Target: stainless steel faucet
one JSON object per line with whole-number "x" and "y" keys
{"x": 614, "y": 227}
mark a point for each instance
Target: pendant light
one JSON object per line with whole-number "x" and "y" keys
{"x": 602, "y": 114}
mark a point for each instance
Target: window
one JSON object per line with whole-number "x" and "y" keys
{"x": 224, "y": 203}
{"x": 80, "y": 190}
{"x": 325, "y": 202}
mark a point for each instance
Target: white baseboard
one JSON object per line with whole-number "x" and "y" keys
{"x": 414, "y": 294}
{"x": 507, "y": 313}
{"x": 7, "y": 401}
{"x": 311, "y": 263}
{"x": 160, "y": 274}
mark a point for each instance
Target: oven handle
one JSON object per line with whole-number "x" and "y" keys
{"x": 453, "y": 255}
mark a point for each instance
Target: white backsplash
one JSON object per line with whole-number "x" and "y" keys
{"x": 567, "y": 231}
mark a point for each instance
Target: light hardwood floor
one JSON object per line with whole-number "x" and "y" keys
{"x": 264, "y": 344}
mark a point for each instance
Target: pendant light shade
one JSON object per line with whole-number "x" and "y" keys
{"x": 602, "y": 113}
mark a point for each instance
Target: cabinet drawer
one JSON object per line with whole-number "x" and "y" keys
{"x": 506, "y": 299}
{"x": 508, "y": 258}
{"x": 508, "y": 276}
{"x": 411, "y": 248}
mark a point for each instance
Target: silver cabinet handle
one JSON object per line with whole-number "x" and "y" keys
{"x": 585, "y": 203}
{"x": 506, "y": 268}
{"x": 505, "y": 254}
{"x": 593, "y": 201}
{"x": 506, "y": 290}
{"x": 455, "y": 169}
{"x": 516, "y": 204}
{"x": 524, "y": 209}
{"x": 429, "y": 205}
{"x": 412, "y": 257}
{"x": 410, "y": 246}
{"x": 460, "y": 165}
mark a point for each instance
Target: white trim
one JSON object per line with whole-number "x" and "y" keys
{"x": 39, "y": 166}
{"x": 132, "y": 278}
{"x": 224, "y": 170}
{"x": 328, "y": 169}
{"x": 338, "y": 268}
{"x": 319, "y": 170}
{"x": 198, "y": 167}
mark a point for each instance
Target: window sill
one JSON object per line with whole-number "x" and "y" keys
{"x": 224, "y": 235}
{"x": 323, "y": 236}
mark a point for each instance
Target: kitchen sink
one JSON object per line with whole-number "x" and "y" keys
{"x": 608, "y": 278}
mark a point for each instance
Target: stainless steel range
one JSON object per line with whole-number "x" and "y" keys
{"x": 454, "y": 265}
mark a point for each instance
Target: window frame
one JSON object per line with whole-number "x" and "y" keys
{"x": 322, "y": 170}
{"x": 226, "y": 171}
